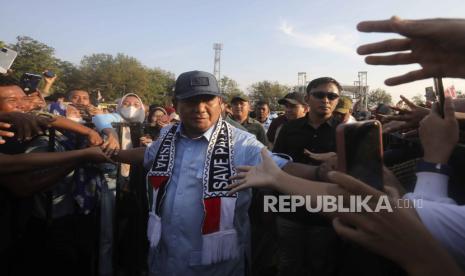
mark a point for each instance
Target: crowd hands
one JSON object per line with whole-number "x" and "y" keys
{"x": 436, "y": 44}
{"x": 26, "y": 118}
{"x": 401, "y": 235}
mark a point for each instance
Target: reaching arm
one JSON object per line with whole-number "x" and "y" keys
{"x": 301, "y": 170}
{"x": 31, "y": 161}
{"x": 130, "y": 156}
{"x": 66, "y": 124}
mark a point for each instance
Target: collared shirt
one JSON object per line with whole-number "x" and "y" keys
{"x": 253, "y": 126}
{"x": 182, "y": 213}
{"x": 297, "y": 135}
{"x": 267, "y": 123}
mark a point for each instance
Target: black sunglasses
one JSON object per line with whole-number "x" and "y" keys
{"x": 321, "y": 95}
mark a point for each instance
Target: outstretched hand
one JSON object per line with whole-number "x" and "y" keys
{"x": 25, "y": 125}
{"x": 398, "y": 235}
{"x": 263, "y": 175}
{"x": 436, "y": 44}
{"x": 408, "y": 118}
{"x": 4, "y": 132}
{"x": 438, "y": 135}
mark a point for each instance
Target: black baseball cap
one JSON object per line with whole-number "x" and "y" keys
{"x": 194, "y": 83}
{"x": 293, "y": 98}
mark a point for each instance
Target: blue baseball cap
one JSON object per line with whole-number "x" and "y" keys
{"x": 195, "y": 83}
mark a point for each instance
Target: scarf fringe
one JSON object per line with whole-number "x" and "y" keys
{"x": 154, "y": 229}
{"x": 220, "y": 246}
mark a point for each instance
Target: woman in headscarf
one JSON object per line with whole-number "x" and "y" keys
{"x": 156, "y": 120}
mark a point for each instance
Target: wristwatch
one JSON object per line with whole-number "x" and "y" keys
{"x": 423, "y": 166}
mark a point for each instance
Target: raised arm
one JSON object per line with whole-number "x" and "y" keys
{"x": 32, "y": 161}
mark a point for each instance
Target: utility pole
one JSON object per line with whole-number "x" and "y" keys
{"x": 217, "y": 61}
{"x": 363, "y": 89}
{"x": 301, "y": 81}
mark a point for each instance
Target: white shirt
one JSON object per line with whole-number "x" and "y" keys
{"x": 439, "y": 213}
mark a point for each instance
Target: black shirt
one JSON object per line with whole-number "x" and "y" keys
{"x": 294, "y": 137}
{"x": 297, "y": 135}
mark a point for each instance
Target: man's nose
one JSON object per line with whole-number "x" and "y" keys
{"x": 200, "y": 107}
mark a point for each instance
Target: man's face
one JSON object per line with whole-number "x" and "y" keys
{"x": 80, "y": 97}
{"x": 199, "y": 113}
{"x": 12, "y": 98}
{"x": 295, "y": 111}
{"x": 262, "y": 112}
{"x": 322, "y": 100}
{"x": 341, "y": 117}
{"x": 240, "y": 110}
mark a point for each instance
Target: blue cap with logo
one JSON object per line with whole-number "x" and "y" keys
{"x": 195, "y": 83}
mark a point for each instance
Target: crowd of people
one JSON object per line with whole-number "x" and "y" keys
{"x": 179, "y": 189}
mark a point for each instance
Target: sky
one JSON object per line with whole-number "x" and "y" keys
{"x": 262, "y": 40}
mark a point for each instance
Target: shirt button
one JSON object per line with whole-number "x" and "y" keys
{"x": 314, "y": 135}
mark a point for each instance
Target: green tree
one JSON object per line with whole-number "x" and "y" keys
{"x": 161, "y": 85}
{"x": 33, "y": 56}
{"x": 418, "y": 99}
{"x": 36, "y": 57}
{"x": 114, "y": 76}
{"x": 229, "y": 88}
{"x": 378, "y": 96}
{"x": 268, "y": 91}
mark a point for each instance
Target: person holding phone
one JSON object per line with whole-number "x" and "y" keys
{"x": 156, "y": 119}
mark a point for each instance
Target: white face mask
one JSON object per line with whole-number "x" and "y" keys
{"x": 132, "y": 114}
{"x": 77, "y": 120}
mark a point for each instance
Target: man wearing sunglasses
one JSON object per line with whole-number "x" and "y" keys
{"x": 307, "y": 242}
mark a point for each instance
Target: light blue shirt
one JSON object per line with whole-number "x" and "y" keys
{"x": 179, "y": 250}
{"x": 102, "y": 121}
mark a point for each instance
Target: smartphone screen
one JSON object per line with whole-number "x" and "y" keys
{"x": 360, "y": 151}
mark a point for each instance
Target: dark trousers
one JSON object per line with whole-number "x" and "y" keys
{"x": 307, "y": 250}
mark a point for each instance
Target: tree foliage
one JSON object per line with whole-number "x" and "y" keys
{"x": 113, "y": 76}
{"x": 268, "y": 91}
{"x": 418, "y": 99}
{"x": 229, "y": 88}
{"x": 378, "y": 96}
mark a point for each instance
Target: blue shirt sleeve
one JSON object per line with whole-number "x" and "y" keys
{"x": 102, "y": 121}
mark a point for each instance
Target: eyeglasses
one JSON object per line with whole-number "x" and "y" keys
{"x": 321, "y": 95}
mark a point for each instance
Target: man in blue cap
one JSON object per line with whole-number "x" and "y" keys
{"x": 195, "y": 227}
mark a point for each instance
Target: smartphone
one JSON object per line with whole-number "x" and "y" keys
{"x": 360, "y": 151}
{"x": 439, "y": 87}
{"x": 29, "y": 82}
{"x": 7, "y": 56}
{"x": 49, "y": 74}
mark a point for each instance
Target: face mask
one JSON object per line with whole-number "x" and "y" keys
{"x": 77, "y": 120}
{"x": 132, "y": 114}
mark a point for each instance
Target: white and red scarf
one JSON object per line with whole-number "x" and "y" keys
{"x": 218, "y": 234}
